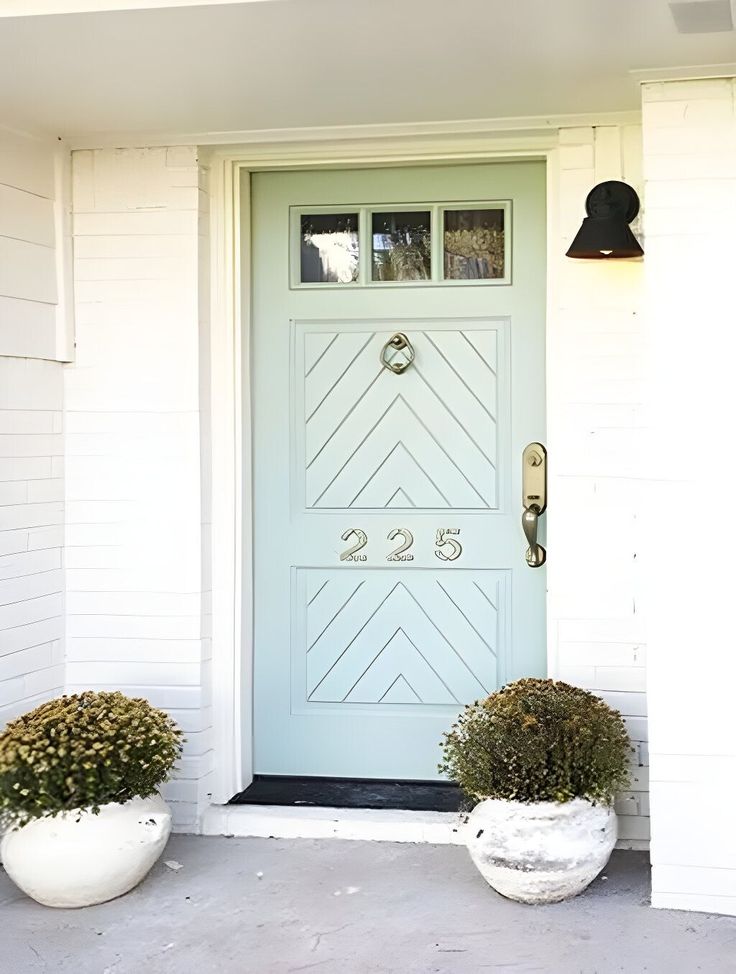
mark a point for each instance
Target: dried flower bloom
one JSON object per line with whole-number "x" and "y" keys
{"x": 539, "y": 740}
{"x": 83, "y": 751}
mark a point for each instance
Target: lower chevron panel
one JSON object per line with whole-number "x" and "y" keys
{"x": 386, "y": 637}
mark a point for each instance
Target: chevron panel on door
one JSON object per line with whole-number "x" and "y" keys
{"x": 368, "y": 439}
{"x": 399, "y": 636}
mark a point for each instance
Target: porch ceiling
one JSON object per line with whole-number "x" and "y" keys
{"x": 295, "y": 63}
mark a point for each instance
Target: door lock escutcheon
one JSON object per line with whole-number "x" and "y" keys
{"x": 534, "y": 500}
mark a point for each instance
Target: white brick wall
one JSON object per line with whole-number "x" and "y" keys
{"x": 595, "y": 435}
{"x": 690, "y": 172}
{"x": 137, "y": 492}
{"x": 137, "y": 592}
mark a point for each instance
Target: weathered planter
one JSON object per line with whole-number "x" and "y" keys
{"x": 77, "y": 858}
{"x": 540, "y": 852}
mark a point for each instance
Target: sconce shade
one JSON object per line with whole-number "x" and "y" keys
{"x": 605, "y": 232}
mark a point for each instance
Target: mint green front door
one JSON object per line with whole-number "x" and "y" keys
{"x": 398, "y": 374}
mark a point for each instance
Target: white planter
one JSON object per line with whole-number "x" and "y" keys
{"x": 77, "y": 858}
{"x": 541, "y": 852}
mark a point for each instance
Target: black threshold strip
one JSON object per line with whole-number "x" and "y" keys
{"x": 417, "y": 796}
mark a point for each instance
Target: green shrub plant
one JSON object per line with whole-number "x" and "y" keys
{"x": 81, "y": 752}
{"x": 539, "y": 741}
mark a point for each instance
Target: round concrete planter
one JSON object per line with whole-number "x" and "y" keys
{"x": 541, "y": 852}
{"x": 78, "y": 858}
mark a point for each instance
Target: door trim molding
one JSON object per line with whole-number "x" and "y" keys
{"x": 230, "y": 438}
{"x": 247, "y": 144}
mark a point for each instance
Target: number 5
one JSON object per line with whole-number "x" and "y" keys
{"x": 442, "y": 543}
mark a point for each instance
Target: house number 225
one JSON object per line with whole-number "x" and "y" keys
{"x": 447, "y": 546}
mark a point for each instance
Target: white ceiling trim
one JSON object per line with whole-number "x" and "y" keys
{"x": 532, "y": 125}
{"x": 40, "y": 8}
{"x": 690, "y": 72}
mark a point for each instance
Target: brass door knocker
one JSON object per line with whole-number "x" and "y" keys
{"x": 397, "y": 343}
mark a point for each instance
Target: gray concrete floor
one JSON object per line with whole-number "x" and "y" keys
{"x": 278, "y": 906}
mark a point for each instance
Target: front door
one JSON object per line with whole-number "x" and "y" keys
{"x": 398, "y": 374}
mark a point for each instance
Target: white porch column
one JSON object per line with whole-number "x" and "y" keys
{"x": 690, "y": 221}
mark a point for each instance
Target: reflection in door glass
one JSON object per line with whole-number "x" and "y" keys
{"x": 474, "y": 244}
{"x": 401, "y": 246}
{"x": 329, "y": 248}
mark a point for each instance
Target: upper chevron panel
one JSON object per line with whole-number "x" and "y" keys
{"x": 369, "y": 439}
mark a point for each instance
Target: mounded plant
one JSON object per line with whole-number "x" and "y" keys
{"x": 539, "y": 740}
{"x": 79, "y": 779}
{"x": 81, "y": 752}
{"x": 544, "y": 760}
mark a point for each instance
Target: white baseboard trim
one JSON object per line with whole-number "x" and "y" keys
{"x": 287, "y": 822}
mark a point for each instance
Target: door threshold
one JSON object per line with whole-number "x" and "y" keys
{"x": 311, "y": 822}
{"x": 327, "y": 792}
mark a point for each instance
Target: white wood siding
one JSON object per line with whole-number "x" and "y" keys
{"x": 31, "y": 534}
{"x": 32, "y": 327}
{"x": 34, "y": 249}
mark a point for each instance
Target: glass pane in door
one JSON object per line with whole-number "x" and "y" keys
{"x": 329, "y": 248}
{"x": 401, "y": 246}
{"x": 474, "y": 244}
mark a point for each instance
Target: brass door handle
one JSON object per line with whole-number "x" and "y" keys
{"x": 534, "y": 500}
{"x": 397, "y": 343}
{"x": 535, "y": 553}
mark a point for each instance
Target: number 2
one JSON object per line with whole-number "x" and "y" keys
{"x": 360, "y": 543}
{"x": 398, "y": 553}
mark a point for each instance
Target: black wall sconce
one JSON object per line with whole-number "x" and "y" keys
{"x": 605, "y": 232}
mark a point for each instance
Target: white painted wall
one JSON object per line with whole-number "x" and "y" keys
{"x": 137, "y": 591}
{"x": 33, "y": 334}
{"x": 690, "y": 173}
{"x": 596, "y": 633}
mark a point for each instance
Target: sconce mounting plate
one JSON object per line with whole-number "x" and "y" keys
{"x": 612, "y": 198}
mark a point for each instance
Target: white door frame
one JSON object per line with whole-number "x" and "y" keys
{"x": 229, "y": 380}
